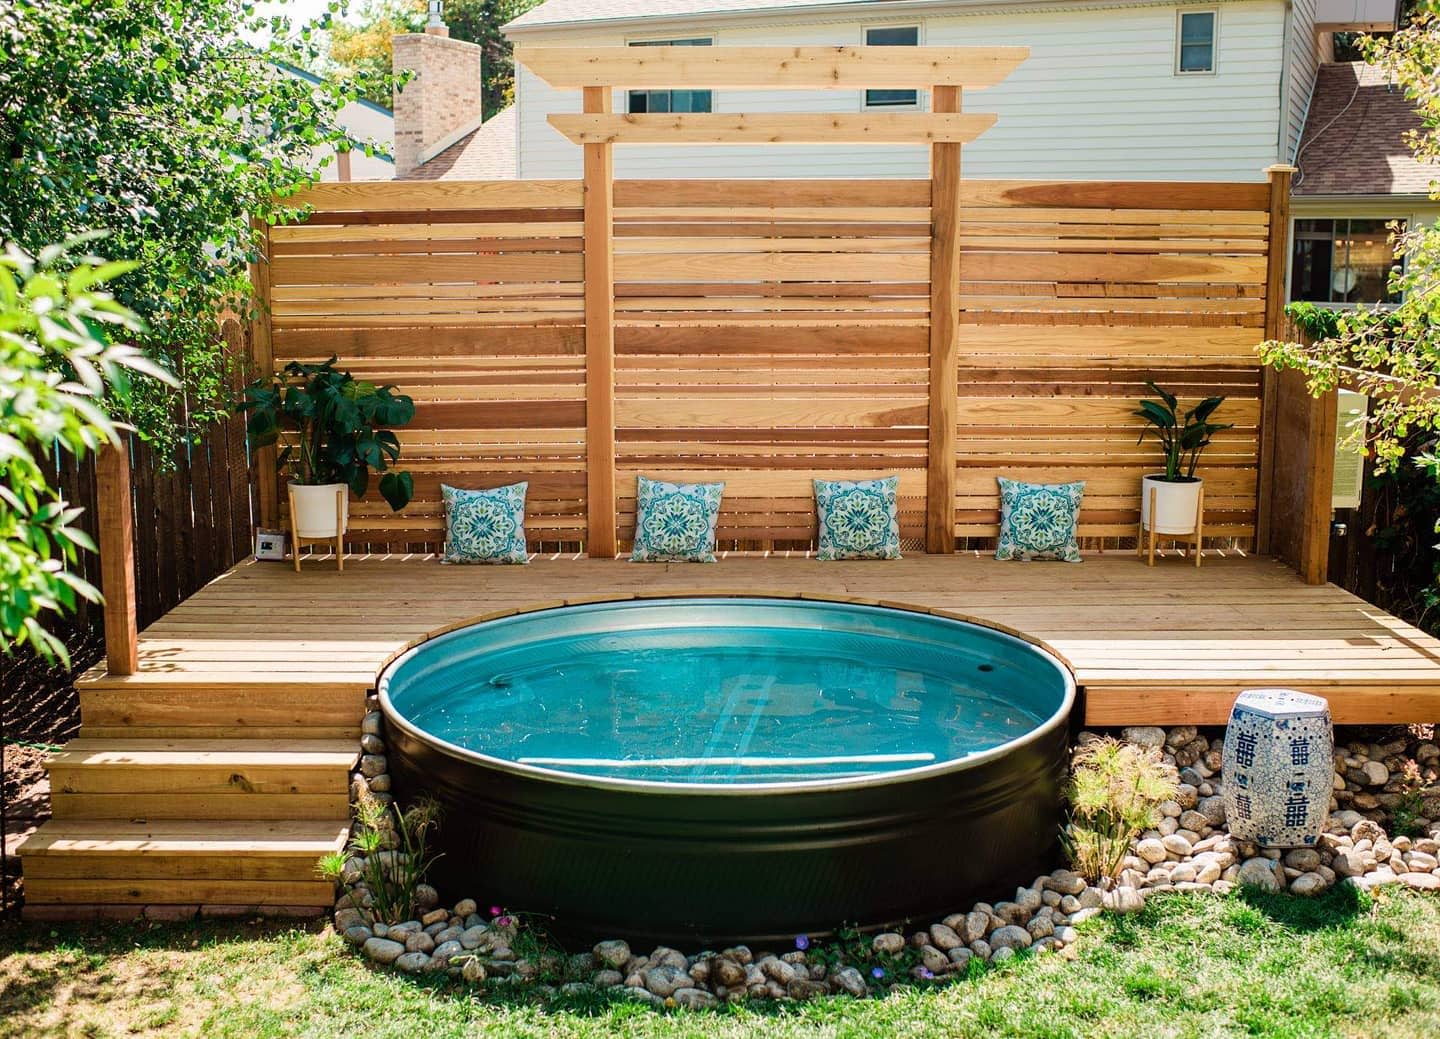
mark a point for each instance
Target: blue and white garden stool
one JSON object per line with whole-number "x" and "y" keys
{"x": 1278, "y": 767}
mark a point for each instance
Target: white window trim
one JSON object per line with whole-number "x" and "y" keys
{"x": 1409, "y": 219}
{"x": 714, "y": 39}
{"x": 921, "y": 96}
{"x": 1214, "y": 41}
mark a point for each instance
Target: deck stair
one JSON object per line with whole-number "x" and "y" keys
{"x": 219, "y": 791}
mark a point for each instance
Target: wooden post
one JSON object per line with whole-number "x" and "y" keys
{"x": 1276, "y": 256}
{"x": 267, "y": 478}
{"x": 600, "y": 336}
{"x": 944, "y": 331}
{"x": 115, "y": 521}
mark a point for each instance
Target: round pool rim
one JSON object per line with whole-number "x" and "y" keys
{"x": 1056, "y": 719}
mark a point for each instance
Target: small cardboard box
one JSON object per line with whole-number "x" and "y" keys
{"x": 270, "y": 544}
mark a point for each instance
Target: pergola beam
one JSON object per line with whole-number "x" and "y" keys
{"x": 771, "y": 68}
{"x": 739, "y": 128}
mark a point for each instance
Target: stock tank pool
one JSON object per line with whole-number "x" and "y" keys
{"x": 731, "y": 769}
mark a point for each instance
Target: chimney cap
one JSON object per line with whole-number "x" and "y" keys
{"x": 436, "y": 25}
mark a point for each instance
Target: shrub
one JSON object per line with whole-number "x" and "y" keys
{"x": 1115, "y": 793}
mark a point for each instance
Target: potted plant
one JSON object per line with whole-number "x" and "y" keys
{"x": 1182, "y": 439}
{"x": 334, "y": 430}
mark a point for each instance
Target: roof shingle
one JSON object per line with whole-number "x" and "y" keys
{"x": 487, "y": 154}
{"x": 1354, "y": 139}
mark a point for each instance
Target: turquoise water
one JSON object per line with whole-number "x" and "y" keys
{"x": 726, "y": 691}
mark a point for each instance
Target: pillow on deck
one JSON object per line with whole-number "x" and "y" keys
{"x": 485, "y": 526}
{"x": 1039, "y": 520}
{"x": 675, "y": 522}
{"x": 859, "y": 519}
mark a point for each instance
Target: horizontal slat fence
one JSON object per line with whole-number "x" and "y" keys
{"x": 1073, "y": 297}
{"x": 469, "y": 297}
{"x": 767, "y": 332}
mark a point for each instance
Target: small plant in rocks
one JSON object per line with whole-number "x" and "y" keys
{"x": 391, "y": 846}
{"x": 1116, "y": 790}
{"x": 1409, "y": 802}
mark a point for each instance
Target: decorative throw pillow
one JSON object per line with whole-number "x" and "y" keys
{"x": 1039, "y": 519}
{"x": 485, "y": 526}
{"x": 859, "y": 519}
{"x": 675, "y": 522}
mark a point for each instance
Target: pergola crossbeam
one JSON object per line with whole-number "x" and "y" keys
{"x": 771, "y": 68}
{"x": 727, "y": 128}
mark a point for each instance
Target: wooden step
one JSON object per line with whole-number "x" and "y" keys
{"x": 141, "y": 779}
{"x": 148, "y": 706}
{"x": 199, "y": 862}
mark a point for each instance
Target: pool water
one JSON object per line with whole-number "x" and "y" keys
{"x": 725, "y": 691}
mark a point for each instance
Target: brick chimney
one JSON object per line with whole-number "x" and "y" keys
{"x": 443, "y": 101}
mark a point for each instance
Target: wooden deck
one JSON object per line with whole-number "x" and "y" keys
{"x": 216, "y": 775}
{"x": 1164, "y": 646}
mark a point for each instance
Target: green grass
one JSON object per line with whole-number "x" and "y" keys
{"x": 1342, "y": 965}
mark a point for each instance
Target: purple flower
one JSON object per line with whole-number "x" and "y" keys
{"x": 878, "y": 972}
{"x": 503, "y": 921}
{"x": 494, "y": 911}
{"x": 927, "y": 973}
{"x": 802, "y": 942}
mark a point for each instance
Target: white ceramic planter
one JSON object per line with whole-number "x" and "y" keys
{"x": 1175, "y": 505}
{"x": 320, "y": 509}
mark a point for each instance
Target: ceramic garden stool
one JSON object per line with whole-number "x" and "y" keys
{"x": 1278, "y": 767}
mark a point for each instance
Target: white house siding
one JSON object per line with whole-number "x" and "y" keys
{"x": 1304, "y": 60}
{"x": 1098, "y": 99}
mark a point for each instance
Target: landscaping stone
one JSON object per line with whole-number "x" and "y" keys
{"x": 945, "y": 938}
{"x": 888, "y": 943}
{"x": 1259, "y": 873}
{"x": 849, "y": 981}
{"x": 615, "y": 954}
{"x": 383, "y": 950}
{"x": 413, "y": 962}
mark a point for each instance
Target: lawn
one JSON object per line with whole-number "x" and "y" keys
{"x": 1342, "y": 965}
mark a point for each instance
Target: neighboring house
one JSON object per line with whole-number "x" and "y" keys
{"x": 1356, "y": 176}
{"x": 440, "y": 133}
{"x": 1112, "y": 90}
{"x": 364, "y": 122}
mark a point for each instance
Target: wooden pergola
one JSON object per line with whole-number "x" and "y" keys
{"x": 599, "y": 71}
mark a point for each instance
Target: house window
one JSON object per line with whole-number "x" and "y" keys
{"x": 893, "y": 36}
{"x": 671, "y": 100}
{"x": 1195, "y": 42}
{"x": 1342, "y": 261}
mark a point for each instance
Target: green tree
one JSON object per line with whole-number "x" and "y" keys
{"x": 157, "y": 122}
{"x": 1390, "y": 353}
{"x": 57, "y": 363}
{"x": 363, "y": 49}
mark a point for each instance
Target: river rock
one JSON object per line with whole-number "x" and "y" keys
{"x": 474, "y": 937}
{"x": 1003, "y": 954}
{"x": 888, "y": 943}
{"x": 1149, "y": 736}
{"x": 1308, "y": 885}
{"x": 1124, "y": 900}
{"x": 608, "y": 978}
{"x": 383, "y": 950}
{"x": 1151, "y": 849}
{"x": 358, "y": 935}
{"x": 934, "y": 960}
{"x": 1066, "y": 883}
{"x": 1348, "y": 863}
{"x": 849, "y": 981}
{"x": 945, "y": 938}
{"x": 473, "y": 970}
{"x": 777, "y": 970}
{"x": 1304, "y": 859}
{"x": 1259, "y": 873}
{"x": 412, "y": 962}
{"x": 666, "y": 980}
{"x": 1421, "y": 881}
{"x": 419, "y": 941}
{"x": 695, "y": 999}
{"x": 1376, "y": 774}
{"x": 614, "y": 954}
{"x": 1010, "y": 937}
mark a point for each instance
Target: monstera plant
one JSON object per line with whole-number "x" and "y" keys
{"x": 334, "y": 431}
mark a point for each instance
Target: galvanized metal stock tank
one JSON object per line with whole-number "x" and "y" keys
{"x": 717, "y": 864}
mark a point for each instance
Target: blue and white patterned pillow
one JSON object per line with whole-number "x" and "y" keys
{"x": 485, "y": 526}
{"x": 675, "y": 522}
{"x": 1039, "y": 519}
{"x": 859, "y": 519}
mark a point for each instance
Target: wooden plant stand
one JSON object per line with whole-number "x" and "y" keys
{"x": 1147, "y": 537}
{"x": 295, "y": 539}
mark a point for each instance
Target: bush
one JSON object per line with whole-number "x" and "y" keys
{"x": 1116, "y": 790}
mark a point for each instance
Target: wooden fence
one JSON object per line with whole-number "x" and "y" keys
{"x": 766, "y": 332}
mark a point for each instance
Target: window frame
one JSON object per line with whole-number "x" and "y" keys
{"x": 668, "y": 39}
{"x": 918, "y": 104}
{"x": 1406, "y": 220}
{"x": 1214, "y": 13}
